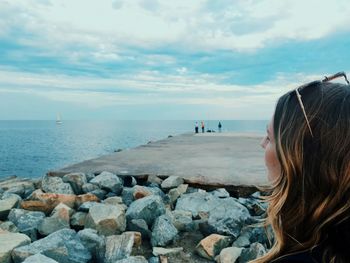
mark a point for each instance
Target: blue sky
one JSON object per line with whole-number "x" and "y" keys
{"x": 159, "y": 59}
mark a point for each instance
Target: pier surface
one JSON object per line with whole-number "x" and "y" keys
{"x": 213, "y": 159}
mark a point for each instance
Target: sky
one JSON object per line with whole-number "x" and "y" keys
{"x": 164, "y": 60}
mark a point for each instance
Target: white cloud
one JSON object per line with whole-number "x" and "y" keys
{"x": 234, "y": 25}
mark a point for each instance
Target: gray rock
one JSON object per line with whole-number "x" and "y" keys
{"x": 157, "y": 251}
{"x": 129, "y": 181}
{"x": 163, "y": 231}
{"x": 256, "y": 250}
{"x": 39, "y": 258}
{"x": 85, "y": 207}
{"x": 9, "y": 241}
{"x": 226, "y": 215}
{"x": 6, "y": 205}
{"x": 56, "y": 185}
{"x": 221, "y": 193}
{"x": 106, "y": 219}
{"x": 78, "y": 219}
{"x": 29, "y": 222}
{"x": 147, "y": 208}
{"x": 15, "y": 214}
{"x": 76, "y": 180}
{"x": 109, "y": 182}
{"x": 128, "y": 195}
{"x": 9, "y": 226}
{"x": 139, "y": 225}
{"x": 115, "y": 200}
{"x": 51, "y": 224}
{"x": 63, "y": 246}
{"x": 175, "y": 193}
{"x": 172, "y": 182}
{"x": 134, "y": 259}
{"x": 93, "y": 242}
{"x": 101, "y": 194}
{"x": 118, "y": 247}
{"x": 89, "y": 176}
{"x": 229, "y": 255}
{"x": 88, "y": 188}
{"x": 182, "y": 220}
{"x": 243, "y": 240}
{"x": 212, "y": 245}
{"x": 255, "y": 206}
{"x": 251, "y": 235}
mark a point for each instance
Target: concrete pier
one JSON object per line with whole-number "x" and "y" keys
{"x": 210, "y": 159}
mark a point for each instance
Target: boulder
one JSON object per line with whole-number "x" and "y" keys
{"x": 163, "y": 231}
{"x": 63, "y": 246}
{"x": 81, "y": 199}
{"x": 88, "y": 188}
{"x": 85, "y": 207}
{"x": 6, "y": 205}
{"x": 106, "y": 219}
{"x": 141, "y": 226}
{"x": 182, "y": 220}
{"x": 56, "y": 185}
{"x": 140, "y": 192}
{"x": 157, "y": 251}
{"x": 118, "y": 247}
{"x": 229, "y": 255}
{"x": 76, "y": 180}
{"x": 109, "y": 182}
{"x": 212, "y": 245}
{"x": 9, "y": 226}
{"x": 115, "y": 200}
{"x": 220, "y": 193}
{"x": 175, "y": 193}
{"x": 147, "y": 208}
{"x": 254, "y": 251}
{"x": 154, "y": 180}
{"x": 172, "y": 182}
{"x": 39, "y": 258}
{"x": 133, "y": 259}
{"x": 9, "y": 241}
{"x": 78, "y": 219}
{"x": 93, "y": 242}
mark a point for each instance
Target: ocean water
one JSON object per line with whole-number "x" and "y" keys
{"x": 31, "y": 148}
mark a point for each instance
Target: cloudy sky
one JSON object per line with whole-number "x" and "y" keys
{"x": 161, "y": 59}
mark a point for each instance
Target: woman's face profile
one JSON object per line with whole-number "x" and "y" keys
{"x": 271, "y": 161}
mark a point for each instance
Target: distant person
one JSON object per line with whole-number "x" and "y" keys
{"x": 202, "y": 124}
{"x": 307, "y": 155}
{"x": 219, "y": 126}
{"x": 196, "y": 127}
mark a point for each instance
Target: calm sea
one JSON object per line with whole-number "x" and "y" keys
{"x": 31, "y": 148}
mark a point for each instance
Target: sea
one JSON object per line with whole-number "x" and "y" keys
{"x": 31, "y": 148}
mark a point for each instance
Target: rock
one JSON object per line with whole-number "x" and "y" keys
{"x": 80, "y": 199}
{"x": 46, "y": 202}
{"x": 251, "y": 235}
{"x": 134, "y": 259}
{"x": 128, "y": 195}
{"x": 256, "y": 250}
{"x": 220, "y": 193}
{"x": 154, "y": 180}
{"x": 88, "y": 188}
{"x": 140, "y": 192}
{"x": 229, "y": 255}
{"x": 255, "y": 206}
{"x": 78, "y": 219}
{"x": 101, "y": 194}
{"x": 174, "y": 194}
{"x": 157, "y": 251}
{"x": 212, "y": 245}
{"x": 6, "y": 205}
{"x": 39, "y": 258}
{"x": 93, "y": 242}
{"x": 163, "y": 231}
{"x": 27, "y": 222}
{"x": 56, "y": 185}
{"x": 89, "y": 176}
{"x": 147, "y": 208}
{"x": 9, "y": 226}
{"x": 137, "y": 237}
{"x": 106, "y": 219}
{"x": 153, "y": 260}
{"x": 172, "y": 182}
{"x": 76, "y": 180}
{"x": 9, "y": 241}
{"x": 243, "y": 240}
{"x": 85, "y": 207}
{"x": 129, "y": 181}
{"x": 115, "y": 200}
{"x": 141, "y": 226}
{"x": 109, "y": 182}
{"x": 51, "y": 224}
{"x": 118, "y": 247}
{"x": 63, "y": 246}
{"x": 182, "y": 220}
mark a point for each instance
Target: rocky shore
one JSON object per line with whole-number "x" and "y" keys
{"x": 108, "y": 218}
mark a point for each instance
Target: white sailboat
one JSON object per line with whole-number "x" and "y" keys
{"x": 58, "y": 119}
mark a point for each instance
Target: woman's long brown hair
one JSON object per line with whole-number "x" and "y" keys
{"x": 309, "y": 204}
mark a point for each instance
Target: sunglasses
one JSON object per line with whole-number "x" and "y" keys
{"x": 326, "y": 79}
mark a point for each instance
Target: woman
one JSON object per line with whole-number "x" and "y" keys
{"x": 307, "y": 154}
